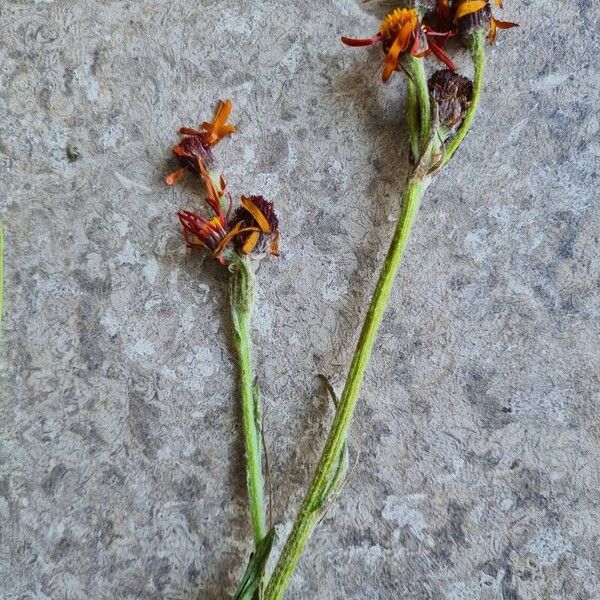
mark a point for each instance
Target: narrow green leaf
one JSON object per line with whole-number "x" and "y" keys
{"x": 256, "y": 568}
{"x": 337, "y": 479}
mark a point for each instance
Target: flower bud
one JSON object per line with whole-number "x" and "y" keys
{"x": 451, "y": 93}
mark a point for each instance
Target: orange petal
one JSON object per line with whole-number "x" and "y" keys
{"x": 260, "y": 219}
{"x": 227, "y": 238}
{"x": 357, "y": 42}
{"x": 505, "y": 24}
{"x": 179, "y": 150}
{"x": 223, "y": 113}
{"x": 439, "y": 52}
{"x": 250, "y": 242}
{"x": 401, "y": 43}
{"x": 499, "y": 3}
{"x": 469, "y": 7}
{"x": 189, "y": 131}
{"x": 491, "y": 36}
{"x": 174, "y": 177}
{"x": 219, "y": 128}
{"x": 227, "y": 130}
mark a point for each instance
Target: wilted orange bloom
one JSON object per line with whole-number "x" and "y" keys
{"x": 260, "y": 227}
{"x": 253, "y": 228}
{"x": 400, "y": 32}
{"x": 195, "y": 147}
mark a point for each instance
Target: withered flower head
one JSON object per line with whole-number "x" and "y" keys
{"x": 402, "y": 31}
{"x": 474, "y": 15}
{"x": 259, "y": 231}
{"x": 452, "y": 95}
{"x": 253, "y": 228}
{"x": 195, "y": 147}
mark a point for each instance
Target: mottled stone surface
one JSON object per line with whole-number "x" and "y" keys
{"x": 478, "y": 428}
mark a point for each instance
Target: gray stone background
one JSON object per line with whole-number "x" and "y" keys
{"x": 478, "y": 430}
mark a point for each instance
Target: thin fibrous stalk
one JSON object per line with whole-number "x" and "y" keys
{"x": 477, "y": 47}
{"x": 413, "y": 120}
{"x": 242, "y": 300}
{"x": 417, "y": 76}
{"x": 309, "y": 513}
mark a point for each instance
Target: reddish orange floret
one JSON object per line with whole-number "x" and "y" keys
{"x": 219, "y": 128}
{"x": 400, "y": 32}
{"x": 211, "y": 234}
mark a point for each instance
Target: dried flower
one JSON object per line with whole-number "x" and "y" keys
{"x": 253, "y": 228}
{"x": 260, "y": 226}
{"x": 452, "y": 95}
{"x": 473, "y": 15}
{"x": 195, "y": 147}
{"x": 401, "y": 31}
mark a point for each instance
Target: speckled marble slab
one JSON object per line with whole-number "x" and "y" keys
{"x": 478, "y": 428}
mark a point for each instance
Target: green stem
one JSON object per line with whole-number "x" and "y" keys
{"x": 309, "y": 512}
{"x": 413, "y": 121}
{"x": 242, "y": 300}
{"x": 478, "y": 56}
{"x": 416, "y": 74}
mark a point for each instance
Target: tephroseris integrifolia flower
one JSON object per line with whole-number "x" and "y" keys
{"x": 450, "y": 99}
{"x": 252, "y": 229}
{"x": 401, "y": 32}
{"x": 405, "y": 40}
{"x": 237, "y": 238}
{"x": 259, "y": 227}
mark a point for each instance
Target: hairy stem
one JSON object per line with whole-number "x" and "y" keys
{"x": 242, "y": 300}
{"x": 309, "y": 512}
{"x": 413, "y": 119}
{"x": 477, "y": 47}
{"x": 418, "y": 78}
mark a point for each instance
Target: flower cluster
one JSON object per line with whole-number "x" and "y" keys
{"x": 404, "y": 32}
{"x": 251, "y": 229}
